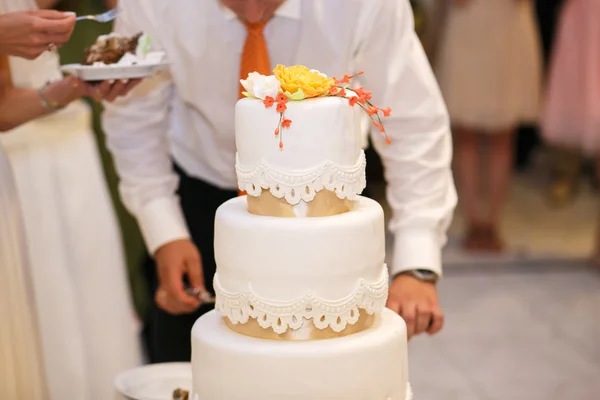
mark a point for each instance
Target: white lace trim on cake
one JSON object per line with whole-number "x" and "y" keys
{"x": 278, "y": 315}
{"x": 346, "y": 182}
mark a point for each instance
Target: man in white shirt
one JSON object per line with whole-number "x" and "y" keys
{"x": 174, "y": 147}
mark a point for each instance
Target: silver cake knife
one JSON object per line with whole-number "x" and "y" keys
{"x": 203, "y": 295}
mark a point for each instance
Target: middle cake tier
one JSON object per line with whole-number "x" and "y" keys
{"x": 281, "y": 272}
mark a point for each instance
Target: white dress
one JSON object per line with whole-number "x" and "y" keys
{"x": 21, "y": 370}
{"x": 89, "y": 332}
{"x": 489, "y": 64}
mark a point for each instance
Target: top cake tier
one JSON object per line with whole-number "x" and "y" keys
{"x": 298, "y": 133}
{"x": 321, "y": 149}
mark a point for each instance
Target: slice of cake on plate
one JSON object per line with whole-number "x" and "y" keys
{"x": 110, "y": 49}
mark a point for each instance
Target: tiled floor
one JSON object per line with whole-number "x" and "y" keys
{"x": 515, "y": 333}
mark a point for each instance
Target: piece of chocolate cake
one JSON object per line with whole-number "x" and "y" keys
{"x": 180, "y": 394}
{"x": 109, "y": 49}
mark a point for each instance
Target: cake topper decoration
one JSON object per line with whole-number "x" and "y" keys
{"x": 298, "y": 83}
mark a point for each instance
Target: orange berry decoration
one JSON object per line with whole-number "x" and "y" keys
{"x": 282, "y": 98}
{"x": 269, "y": 101}
{"x": 281, "y": 107}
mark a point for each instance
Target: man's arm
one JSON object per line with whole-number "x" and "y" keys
{"x": 417, "y": 163}
{"x": 137, "y": 135}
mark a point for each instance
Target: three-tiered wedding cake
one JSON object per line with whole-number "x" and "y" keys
{"x": 301, "y": 282}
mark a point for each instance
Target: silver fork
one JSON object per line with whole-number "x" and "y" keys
{"x": 101, "y": 18}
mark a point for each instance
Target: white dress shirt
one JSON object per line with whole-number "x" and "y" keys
{"x": 187, "y": 115}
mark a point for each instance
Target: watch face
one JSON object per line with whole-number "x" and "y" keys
{"x": 426, "y": 275}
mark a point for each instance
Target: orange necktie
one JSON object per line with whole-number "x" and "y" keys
{"x": 255, "y": 55}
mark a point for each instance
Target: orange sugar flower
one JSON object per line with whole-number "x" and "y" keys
{"x": 342, "y": 92}
{"x": 386, "y": 112}
{"x": 333, "y": 91}
{"x": 371, "y": 110}
{"x": 268, "y": 101}
{"x": 281, "y": 107}
{"x": 286, "y": 123}
{"x": 377, "y": 124}
{"x": 353, "y": 100}
{"x": 277, "y": 132}
{"x": 359, "y": 91}
{"x": 362, "y": 100}
{"x": 282, "y": 98}
{"x": 388, "y": 140}
{"x": 367, "y": 94}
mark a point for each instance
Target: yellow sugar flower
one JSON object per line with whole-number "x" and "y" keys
{"x": 298, "y": 82}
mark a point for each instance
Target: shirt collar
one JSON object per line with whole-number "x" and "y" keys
{"x": 290, "y": 9}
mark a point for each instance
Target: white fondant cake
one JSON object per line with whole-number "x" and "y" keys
{"x": 300, "y": 301}
{"x": 369, "y": 365}
{"x": 322, "y": 149}
{"x": 281, "y": 270}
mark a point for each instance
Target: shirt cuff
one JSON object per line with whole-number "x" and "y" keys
{"x": 161, "y": 221}
{"x": 417, "y": 248}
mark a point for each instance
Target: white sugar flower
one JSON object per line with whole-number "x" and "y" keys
{"x": 266, "y": 86}
{"x": 249, "y": 82}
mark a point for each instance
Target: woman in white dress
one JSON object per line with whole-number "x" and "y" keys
{"x": 489, "y": 68}
{"x": 21, "y": 373}
{"x": 21, "y": 364}
{"x": 86, "y": 326}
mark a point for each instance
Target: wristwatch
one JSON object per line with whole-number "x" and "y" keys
{"x": 424, "y": 275}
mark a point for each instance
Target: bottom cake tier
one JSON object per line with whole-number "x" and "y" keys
{"x": 369, "y": 365}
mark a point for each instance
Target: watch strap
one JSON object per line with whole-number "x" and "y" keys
{"x": 424, "y": 275}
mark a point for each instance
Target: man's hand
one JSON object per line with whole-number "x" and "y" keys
{"x": 416, "y": 302}
{"x": 28, "y": 34}
{"x": 175, "y": 260}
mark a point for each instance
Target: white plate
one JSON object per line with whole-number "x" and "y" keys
{"x": 114, "y": 71}
{"x": 154, "y": 382}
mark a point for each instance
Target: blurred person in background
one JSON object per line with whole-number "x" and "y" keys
{"x": 566, "y": 162}
{"x": 572, "y": 111}
{"x": 87, "y": 328}
{"x": 489, "y": 69}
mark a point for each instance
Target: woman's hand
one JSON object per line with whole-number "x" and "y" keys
{"x": 65, "y": 91}
{"x": 28, "y": 34}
